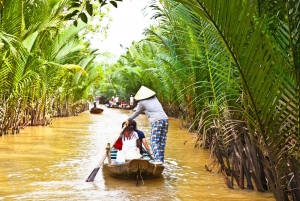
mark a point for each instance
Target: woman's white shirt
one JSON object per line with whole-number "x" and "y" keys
{"x": 130, "y": 143}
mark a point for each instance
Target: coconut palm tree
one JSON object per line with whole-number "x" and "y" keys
{"x": 268, "y": 82}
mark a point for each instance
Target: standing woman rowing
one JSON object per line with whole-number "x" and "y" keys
{"x": 158, "y": 119}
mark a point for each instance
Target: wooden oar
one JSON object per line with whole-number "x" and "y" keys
{"x": 96, "y": 169}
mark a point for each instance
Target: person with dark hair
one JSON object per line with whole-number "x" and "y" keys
{"x": 131, "y": 101}
{"x": 142, "y": 138}
{"x": 158, "y": 119}
{"x": 130, "y": 139}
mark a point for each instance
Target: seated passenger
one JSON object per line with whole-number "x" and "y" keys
{"x": 130, "y": 143}
{"x": 130, "y": 139}
{"x": 123, "y": 103}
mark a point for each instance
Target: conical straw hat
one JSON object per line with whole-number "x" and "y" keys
{"x": 144, "y": 93}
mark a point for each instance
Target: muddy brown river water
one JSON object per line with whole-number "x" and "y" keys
{"x": 53, "y": 162}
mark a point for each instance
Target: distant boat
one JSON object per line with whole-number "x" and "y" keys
{"x": 118, "y": 107}
{"x": 111, "y": 106}
{"x": 96, "y": 110}
{"x": 102, "y": 99}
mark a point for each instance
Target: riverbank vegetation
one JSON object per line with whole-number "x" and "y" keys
{"x": 46, "y": 66}
{"x": 228, "y": 70}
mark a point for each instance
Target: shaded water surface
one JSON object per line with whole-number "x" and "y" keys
{"x": 52, "y": 163}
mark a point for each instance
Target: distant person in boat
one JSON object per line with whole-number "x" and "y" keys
{"x": 123, "y": 103}
{"x": 131, "y": 101}
{"x": 117, "y": 100}
{"x": 130, "y": 139}
{"x": 108, "y": 103}
{"x": 113, "y": 101}
{"x": 141, "y": 137}
{"x": 157, "y": 117}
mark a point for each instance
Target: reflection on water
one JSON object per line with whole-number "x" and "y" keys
{"x": 52, "y": 163}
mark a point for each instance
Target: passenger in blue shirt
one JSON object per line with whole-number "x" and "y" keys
{"x": 141, "y": 137}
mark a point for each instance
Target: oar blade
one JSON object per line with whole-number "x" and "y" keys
{"x": 93, "y": 175}
{"x": 95, "y": 171}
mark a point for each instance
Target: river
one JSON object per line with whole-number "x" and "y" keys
{"x": 53, "y": 162}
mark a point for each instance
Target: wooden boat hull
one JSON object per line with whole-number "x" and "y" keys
{"x": 95, "y": 110}
{"x": 134, "y": 168}
{"x": 118, "y": 107}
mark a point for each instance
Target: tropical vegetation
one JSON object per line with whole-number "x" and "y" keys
{"x": 228, "y": 70}
{"x": 46, "y": 66}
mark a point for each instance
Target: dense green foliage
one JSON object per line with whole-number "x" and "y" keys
{"x": 46, "y": 68}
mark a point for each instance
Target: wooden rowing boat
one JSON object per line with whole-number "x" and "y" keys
{"x": 96, "y": 110}
{"x": 118, "y": 107}
{"x": 133, "y": 169}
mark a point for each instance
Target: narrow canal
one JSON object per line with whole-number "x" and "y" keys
{"x": 52, "y": 163}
